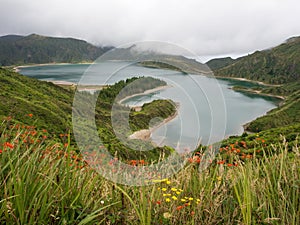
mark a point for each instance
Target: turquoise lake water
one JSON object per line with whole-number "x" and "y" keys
{"x": 209, "y": 109}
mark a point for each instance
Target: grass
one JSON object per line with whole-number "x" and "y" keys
{"x": 45, "y": 181}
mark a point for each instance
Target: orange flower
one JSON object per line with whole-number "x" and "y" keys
{"x": 192, "y": 213}
{"x": 229, "y": 164}
{"x": 221, "y": 162}
{"x": 30, "y": 115}
{"x": 9, "y": 145}
{"x": 0, "y": 151}
{"x": 158, "y": 202}
{"x": 179, "y": 207}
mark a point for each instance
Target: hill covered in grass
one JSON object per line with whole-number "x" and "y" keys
{"x": 278, "y": 65}
{"x": 21, "y": 96}
{"x": 36, "y": 49}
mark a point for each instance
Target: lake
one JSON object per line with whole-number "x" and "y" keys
{"x": 209, "y": 109}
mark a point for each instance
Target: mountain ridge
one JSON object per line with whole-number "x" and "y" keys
{"x": 38, "y": 49}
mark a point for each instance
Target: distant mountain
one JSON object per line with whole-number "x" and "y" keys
{"x": 156, "y": 59}
{"x": 219, "y": 63}
{"x": 35, "y": 49}
{"x": 278, "y": 65}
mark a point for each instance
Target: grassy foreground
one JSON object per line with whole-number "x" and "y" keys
{"x": 44, "y": 181}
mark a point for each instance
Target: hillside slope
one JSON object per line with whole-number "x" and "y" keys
{"x": 35, "y": 49}
{"x": 279, "y": 65}
{"x": 21, "y": 96}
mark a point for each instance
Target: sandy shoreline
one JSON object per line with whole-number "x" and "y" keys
{"x": 145, "y": 92}
{"x": 251, "y": 81}
{"x": 145, "y": 134}
{"x": 17, "y": 68}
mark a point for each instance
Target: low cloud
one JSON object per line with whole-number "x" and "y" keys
{"x": 208, "y": 28}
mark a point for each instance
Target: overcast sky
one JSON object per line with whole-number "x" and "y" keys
{"x": 208, "y": 28}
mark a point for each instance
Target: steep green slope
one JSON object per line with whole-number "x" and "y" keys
{"x": 278, "y": 65}
{"x": 286, "y": 115}
{"x": 34, "y": 49}
{"x": 49, "y": 104}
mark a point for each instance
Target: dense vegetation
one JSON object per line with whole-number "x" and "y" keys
{"x": 47, "y": 182}
{"x": 35, "y": 49}
{"x": 21, "y": 96}
{"x": 279, "y": 65}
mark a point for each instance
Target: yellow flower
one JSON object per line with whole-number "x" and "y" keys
{"x": 164, "y": 189}
{"x": 183, "y": 200}
{"x": 174, "y": 197}
{"x": 173, "y": 189}
{"x": 168, "y": 182}
{"x": 166, "y": 195}
{"x": 168, "y": 200}
{"x": 191, "y": 199}
{"x": 198, "y": 200}
{"x": 178, "y": 192}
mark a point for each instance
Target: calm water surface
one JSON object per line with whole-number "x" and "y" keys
{"x": 209, "y": 109}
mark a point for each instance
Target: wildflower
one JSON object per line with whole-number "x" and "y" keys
{"x": 164, "y": 189}
{"x": 9, "y": 145}
{"x": 221, "y": 162}
{"x": 166, "y": 195}
{"x": 102, "y": 202}
{"x": 192, "y": 213}
{"x": 30, "y": 115}
{"x": 0, "y": 151}
{"x": 168, "y": 199}
{"x": 167, "y": 215}
{"x": 174, "y": 189}
{"x": 191, "y": 199}
{"x": 158, "y": 202}
{"x": 179, "y": 207}
{"x": 183, "y": 200}
{"x": 174, "y": 198}
{"x": 198, "y": 200}
{"x": 178, "y": 192}
{"x": 168, "y": 182}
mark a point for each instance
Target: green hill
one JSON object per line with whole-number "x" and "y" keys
{"x": 35, "y": 49}
{"x": 215, "y": 64}
{"x": 279, "y": 65}
{"x": 49, "y": 104}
